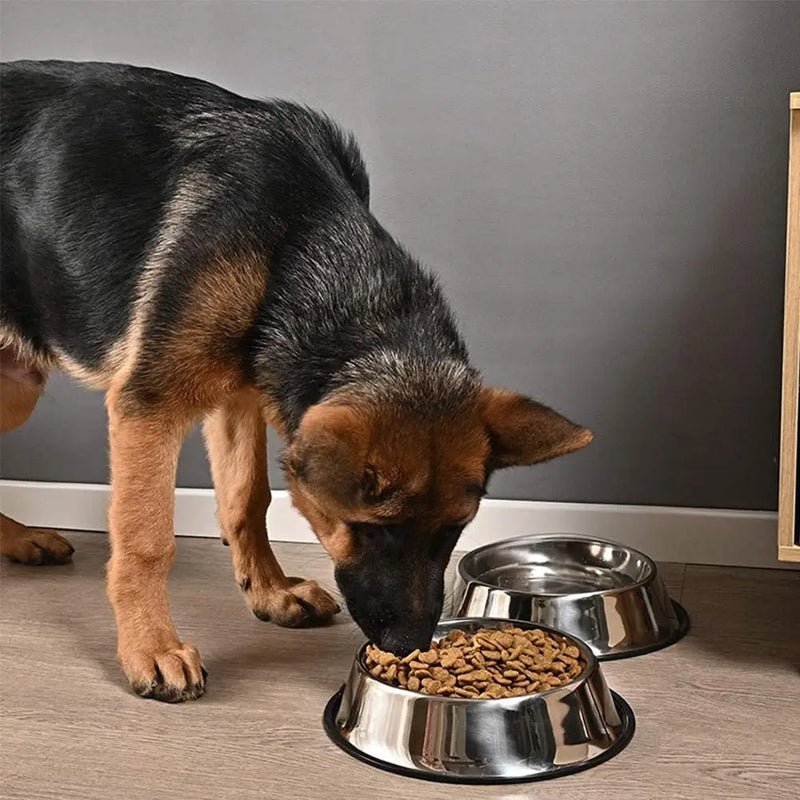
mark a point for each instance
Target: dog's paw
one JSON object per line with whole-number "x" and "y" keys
{"x": 170, "y": 674}
{"x": 38, "y": 547}
{"x": 300, "y": 604}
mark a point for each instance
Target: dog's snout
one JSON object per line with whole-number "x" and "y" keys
{"x": 396, "y": 604}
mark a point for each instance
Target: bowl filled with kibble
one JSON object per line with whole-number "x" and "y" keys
{"x": 491, "y": 701}
{"x": 606, "y": 594}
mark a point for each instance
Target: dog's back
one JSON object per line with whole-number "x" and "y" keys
{"x": 108, "y": 168}
{"x": 86, "y": 174}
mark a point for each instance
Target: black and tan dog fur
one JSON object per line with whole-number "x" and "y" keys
{"x": 202, "y": 256}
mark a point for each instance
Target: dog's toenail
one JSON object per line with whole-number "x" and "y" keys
{"x": 225, "y": 542}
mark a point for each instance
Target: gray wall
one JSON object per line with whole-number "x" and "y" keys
{"x": 601, "y": 187}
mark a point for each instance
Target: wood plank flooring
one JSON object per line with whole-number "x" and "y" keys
{"x": 718, "y": 715}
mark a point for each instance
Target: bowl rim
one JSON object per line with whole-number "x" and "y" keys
{"x": 567, "y": 537}
{"x": 592, "y": 664}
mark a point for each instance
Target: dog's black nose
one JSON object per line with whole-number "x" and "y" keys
{"x": 403, "y": 641}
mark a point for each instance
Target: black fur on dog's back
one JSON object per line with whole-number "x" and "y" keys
{"x": 107, "y": 168}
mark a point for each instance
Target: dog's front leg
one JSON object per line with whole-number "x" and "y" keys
{"x": 236, "y": 440}
{"x": 144, "y": 454}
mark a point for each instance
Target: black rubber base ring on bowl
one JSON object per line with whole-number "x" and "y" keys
{"x": 626, "y": 734}
{"x": 684, "y": 623}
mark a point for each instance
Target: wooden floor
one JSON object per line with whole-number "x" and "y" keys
{"x": 718, "y": 714}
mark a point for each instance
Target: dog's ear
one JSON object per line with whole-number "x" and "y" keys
{"x": 328, "y": 455}
{"x": 522, "y": 431}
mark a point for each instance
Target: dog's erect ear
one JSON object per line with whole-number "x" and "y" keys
{"x": 522, "y": 431}
{"x": 328, "y": 455}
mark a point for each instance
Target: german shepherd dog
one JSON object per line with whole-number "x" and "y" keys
{"x": 201, "y": 256}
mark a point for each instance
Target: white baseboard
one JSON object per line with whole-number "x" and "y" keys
{"x": 685, "y": 535}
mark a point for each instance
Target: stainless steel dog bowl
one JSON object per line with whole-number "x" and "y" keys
{"x": 563, "y": 730}
{"x": 608, "y": 595}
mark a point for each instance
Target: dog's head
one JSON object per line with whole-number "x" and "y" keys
{"x": 388, "y": 492}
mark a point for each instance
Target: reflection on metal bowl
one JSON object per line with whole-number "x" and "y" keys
{"x": 536, "y": 736}
{"x": 606, "y": 594}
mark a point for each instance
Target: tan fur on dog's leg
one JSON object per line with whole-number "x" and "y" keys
{"x": 236, "y": 439}
{"x": 20, "y": 388}
{"x": 144, "y": 457}
{"x": 17, "y": 401}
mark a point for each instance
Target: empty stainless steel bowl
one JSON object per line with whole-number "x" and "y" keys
{"x": 563, "y": 730}
{"x": 606, "y": 594}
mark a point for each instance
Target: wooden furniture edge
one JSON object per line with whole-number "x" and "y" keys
{"x": 789, "y": 553}
{"x": 788, "y": 549}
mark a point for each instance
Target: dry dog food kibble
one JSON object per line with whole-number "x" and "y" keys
{"x": 487, "y": 664}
